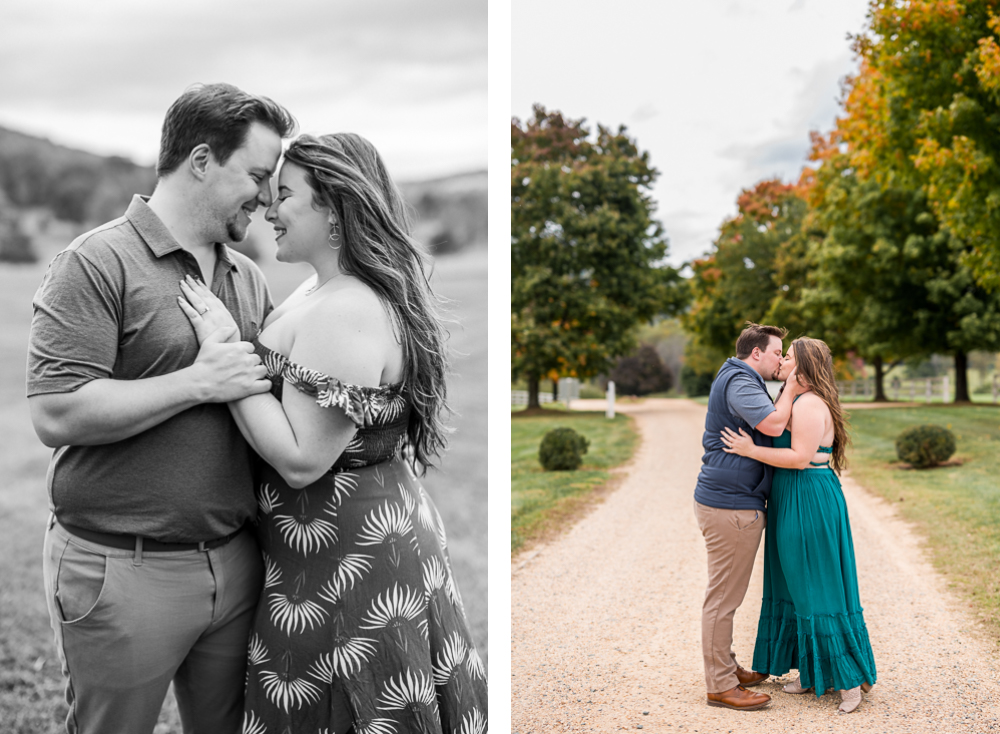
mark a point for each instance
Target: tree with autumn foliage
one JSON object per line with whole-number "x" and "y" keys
{"x": 912, "y": 188}
{"x": 586, "y": 254}
{"x": 754, "y": 272}
{"x": 927, "y": 105}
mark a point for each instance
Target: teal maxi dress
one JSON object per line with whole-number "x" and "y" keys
{"x": 811, "y": 617}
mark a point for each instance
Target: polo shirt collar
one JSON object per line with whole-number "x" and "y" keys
{"x": 741, "y": 365}
{"x": 158, "y": 238}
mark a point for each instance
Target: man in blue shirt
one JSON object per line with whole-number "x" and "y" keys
{"x": 730, "y": 500}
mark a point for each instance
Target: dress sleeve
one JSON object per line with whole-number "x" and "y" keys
{"x": 330, "y": 392}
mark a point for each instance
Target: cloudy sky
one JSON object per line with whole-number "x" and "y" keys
{"x": 722, "y": 93}
{"x": 99, "y": 75}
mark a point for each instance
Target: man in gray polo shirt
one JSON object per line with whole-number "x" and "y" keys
{"x": 730, "y": 502}
{"x": 150, "y": 573}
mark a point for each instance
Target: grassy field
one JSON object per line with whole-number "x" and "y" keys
{"x": 30, "y": 680}
{"x": 957, "y": 508}
{"x": 543, "y": 501}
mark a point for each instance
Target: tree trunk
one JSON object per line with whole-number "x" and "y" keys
{"x": 961, "y": 377}
{"x": 533, "y": 392}
{"x": 555, "y": 389}
{"x": 879, "y": 366}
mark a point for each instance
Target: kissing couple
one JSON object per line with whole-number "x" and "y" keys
{"x": 776, "y": 465}
{"x": 234, "y": 492}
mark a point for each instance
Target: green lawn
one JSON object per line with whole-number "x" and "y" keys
{"x": 957, "y": 508}
{"x": 542, "y": 501}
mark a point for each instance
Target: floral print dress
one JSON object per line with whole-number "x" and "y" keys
{"x": 360, "y": 622}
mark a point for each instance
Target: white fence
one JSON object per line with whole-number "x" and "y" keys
{"x": 926, "y": 389}
{"x": 520, "y": 397}
{"x": 569, "y": 390}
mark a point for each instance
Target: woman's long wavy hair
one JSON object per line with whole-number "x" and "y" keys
{"x": 814, "y": 364}
{"x": 347, "y": 175}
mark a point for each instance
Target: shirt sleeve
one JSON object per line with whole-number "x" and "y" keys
{"x": 747, "y": 400}
{"x": 75, "y": 326}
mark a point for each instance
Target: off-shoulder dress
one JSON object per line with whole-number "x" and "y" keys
{"x": 360, "y": 622}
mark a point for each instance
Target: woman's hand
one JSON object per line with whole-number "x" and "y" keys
{"x": 205, "y": 311}
{"x": 740, "y": 443}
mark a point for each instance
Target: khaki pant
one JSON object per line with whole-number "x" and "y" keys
{"x": 731, "y": 539}
{"x": 127, "y": 624}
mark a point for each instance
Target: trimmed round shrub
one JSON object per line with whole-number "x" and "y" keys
{"x": 925, "y": 446}
{"x": 562, "y": 449}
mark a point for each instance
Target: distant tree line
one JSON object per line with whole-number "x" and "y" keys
{"x": 89, "y": 189}
{"x": 76, "y": 186}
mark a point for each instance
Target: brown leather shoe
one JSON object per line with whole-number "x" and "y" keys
{"x": 739, "y": 698}
{"x": 748, "y": 678}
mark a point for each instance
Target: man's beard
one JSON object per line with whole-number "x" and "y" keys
{"x": 234, "y": 232}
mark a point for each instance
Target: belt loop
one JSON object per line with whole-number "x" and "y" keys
{"x": 201, "y": 546}
{"x": 137, "y": 558}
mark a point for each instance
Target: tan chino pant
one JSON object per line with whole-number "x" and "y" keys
{"x": 128, "y": 623}
{"x": 731, "y": 539}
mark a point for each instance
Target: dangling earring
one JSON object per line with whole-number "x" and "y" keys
{"x": 335, "y": 236}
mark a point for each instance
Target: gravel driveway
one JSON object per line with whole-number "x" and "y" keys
{"x": 605, "y": 621}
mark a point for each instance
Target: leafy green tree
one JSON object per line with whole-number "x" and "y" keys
{"x": 586, "y": 253}
{"x": 866, "y": 273}
{"x": 754, "y": 272}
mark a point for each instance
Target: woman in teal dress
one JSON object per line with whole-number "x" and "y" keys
{"x": 811, "y": 617}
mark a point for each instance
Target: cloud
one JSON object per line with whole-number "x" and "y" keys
{"x": 335, "y": 65}
{"x": 786, "y": 149}
{"x": 645, "y": 112}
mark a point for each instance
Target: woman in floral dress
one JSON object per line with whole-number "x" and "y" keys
{"x": 360, "y": 626}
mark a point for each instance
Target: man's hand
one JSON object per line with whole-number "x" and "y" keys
{"x": 229, "y": 370}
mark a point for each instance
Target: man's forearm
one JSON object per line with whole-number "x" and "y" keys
{"x": 105, "y": 410}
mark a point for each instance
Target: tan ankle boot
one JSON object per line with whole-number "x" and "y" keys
{"x": 796, "y": 686}
{"x": 850, "y": 700}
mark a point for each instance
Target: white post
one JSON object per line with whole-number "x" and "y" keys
{"x": 994, "y": 387}
{"x": 927, "y": 392}
{"x": 944, "y": 389}
{"x": 611, "y": 399}
{"x": 913, "y": 390}
{"x": 569, "y": 390}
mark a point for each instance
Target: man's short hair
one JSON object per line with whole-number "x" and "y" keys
{"x": 219, "y": 115}
{"x": 756, "y": 336}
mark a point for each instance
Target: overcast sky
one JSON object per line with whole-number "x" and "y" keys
{"x": 99, "y": 75}
{"x": 722, "y": 93}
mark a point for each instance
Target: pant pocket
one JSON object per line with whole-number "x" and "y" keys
{"x": 80, "y": 582}
{"x": 747, "y": 519}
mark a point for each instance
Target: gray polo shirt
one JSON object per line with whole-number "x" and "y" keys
{"x": 747, "y": 401}
{"x": 107, "y": 308}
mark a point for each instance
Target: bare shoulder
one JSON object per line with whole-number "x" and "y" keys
{"x": 354, "y": 307}
{"x": 811, "y": 404}
{"x": 346, "y": 334}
